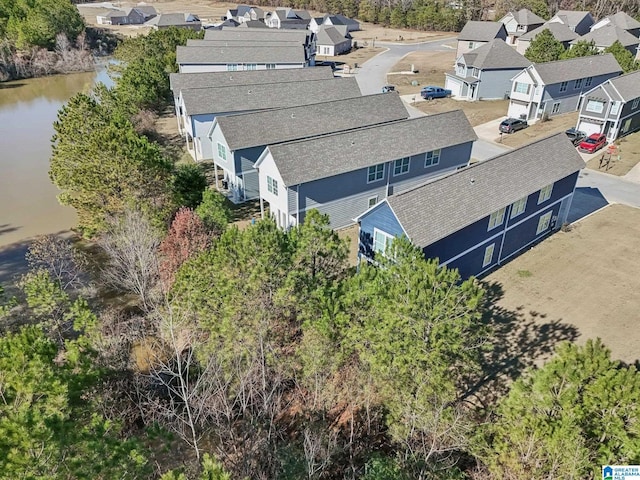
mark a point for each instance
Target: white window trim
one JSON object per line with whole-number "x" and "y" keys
{"x": 615, "y": 108}
{"x": 271, "y": 66}
{"x": 519, "y": 206}
{"x": 498, "y": 214}
{"x": 592, "y": 103}
{"x": 272, "y": 186}
{"x": 387, "y": 240}
{"x": 374, "y": 199}
{"x": 490, "y": 248}
{"x": 435, "y": 159}
{"x": 555, "y": 108}
{"x": 376, "y": 179}
{"x": 587, "y": 81}
{"x": 402, "y": 165}
{"x": 563, "y": 86}
{"x": 545, "y": 193}
{"x": 224, "y": 150}
{"x": 517, "y": 84}
{"x": 543, "y": 222}
{"x": 232, "y": 67}
{"x": 635, "y": 103}
{"x": 577, "y": 83}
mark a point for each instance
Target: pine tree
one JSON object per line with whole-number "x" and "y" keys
{"x": 544, "y": 48}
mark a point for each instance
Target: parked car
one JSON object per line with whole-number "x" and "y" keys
{"x": 511, "y": 125}
{"x": 430, "y": 92}
{"x": 593, "y": 143}
{"x": 576, "y": 136}
{"x": 388, "y": 88}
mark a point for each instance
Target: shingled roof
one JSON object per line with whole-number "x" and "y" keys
{"x": 571, "y": 17}
{"x": 480, "y": 31}
{"x": 574, "y": 68}
{"x": 560, "y": 32}
{"x": 608, "y": 35}
{"x": 185, "y": 81}
{"x": 495, "y": 55}
{"x": 527, "y": 17}
{"x": 623, "y": 88}
{"x": 287, "y": 53}
{"x": 623, "y": 20}
{"x": 255, "y": 129}
{"x": 325, "y": 156}
{"x": 194, "y": 42}
{"x": 271, "y": 34}
{"x": 241, "y": 98}
{"x": 328, "y": 35}
{"x": 437, "y": 209}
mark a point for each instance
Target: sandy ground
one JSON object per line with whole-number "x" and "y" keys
{"x": 355, "y": 57}
{"x": 626, "y": 157}
{"x": 580, "y": 284}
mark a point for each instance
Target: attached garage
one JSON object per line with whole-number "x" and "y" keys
{"x": 454, "y": 85}
{"x": 518, "y": 108}
{"x": 590, "y": 125}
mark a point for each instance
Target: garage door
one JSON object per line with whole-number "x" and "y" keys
{"x": 589, "y": 127}
{"x": 453, "y": 85}
{"x": 517, "y": 108}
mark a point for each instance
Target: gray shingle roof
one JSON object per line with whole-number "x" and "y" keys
{"x": 288, "y": 53}
{"x": 480, "y": 31}
{"x": 571, "y": 17}
{"x": 495, "y": 55}
{"x": 437, "y": 209}
{"x": 184, "y": 81}
{"x": 172, "y": 19}
{"x": 560, "y": 32}
{"x": 527, "y": 17}
{"x": 574, "y": 68}
{"x": 325, "y": 156}
{"x": 253, "y": 24}
{"x": 626, "y": 86}
{"x": 329, "y": 36}
{"x": 623, "y": 20}
{"x": 244, "y": 98}
{"x": 255, "y": 129}
{"x": 192, "y": 42}
{"x": 271, "y": 34}
{"x": 608, "y": 35}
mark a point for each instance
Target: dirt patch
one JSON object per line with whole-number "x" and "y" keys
{"x": 477, "y": 112}
{"x": 625, "y": 157}
{"x": 429, "y": 68}
{"x": 352, "y": 234}
{"x": 372, "y": 33}
{"x": 586, "y": 278}
{"x": 355, "y": 57}
{"x": 538, "y": 130}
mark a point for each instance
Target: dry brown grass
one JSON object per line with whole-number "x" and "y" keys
{"x": 377, "y": 33}
{"x": 429, "y": 67}
{"x": 539, "y": 130}
{"x": 357, "y": 56}
{"x": 627, "y": 156}
{"x": 477, "y": 112}
{"x": 352, "y": 235}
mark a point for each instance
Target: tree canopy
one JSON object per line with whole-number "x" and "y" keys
{"x": 581, "y": 48}
{"x": 544, "y": 48}
{"x": 624, "y": 57}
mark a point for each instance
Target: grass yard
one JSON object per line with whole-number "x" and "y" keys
{"x": 477, "y": 112}
{"x": 580, "y": 284}
{"x": 627, "y": 157}
{"x": 429, "y": 67}
{"x": 355, "y": 56}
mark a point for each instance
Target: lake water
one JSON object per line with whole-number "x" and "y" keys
{"x": 28, "y": 108}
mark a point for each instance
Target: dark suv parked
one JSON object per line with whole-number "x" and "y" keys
{"x": 576, "y": 136}
{"x": 511, "y": 125}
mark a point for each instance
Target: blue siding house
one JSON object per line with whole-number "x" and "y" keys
{"x": 480, "y": 216}
{"x": 344, "y": 174}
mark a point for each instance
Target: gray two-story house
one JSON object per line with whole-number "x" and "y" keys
{"x": 475, "y": 34}
{"x": 612, "y": 108}
{"x": 553, "y": 88}
{"x": 559, "y": 31}
{"x": 486, "y": 72}
{"x": 239, "y": 140}
{"x": 579, "y": 21}
{"x": 520, "y": 22}
{"x": 344, "y": 174}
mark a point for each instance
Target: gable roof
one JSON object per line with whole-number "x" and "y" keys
{"x": 184, "y": 81}
{"x": 338, "y": 19}
{"x": 495, "y": 55}
{"x": 330, "y": 36}
{"x": 147, "y": 10}
{"x": 574, "y": 68}
{"x": 480, "y": 31}
{"x": 625, "y": 87}
{"x": 253, "y": 24}
{"x": 242, "y": 98}
{"x": 271, "y": 34}
{"x": 571, "y": 17}
{"x": 299, "y": 162}
{"x": 173, "y": 19}
{"x": 475, "y": 192}
{"x": 194, "y": 42}
{"x": 607, "y": 35}
{"x": 623, "y": 20}
{"x": 560, "y": 32}
{"x": 527, "y": 17}
{"x": 254, "y": 129}
{"x": 203, "y": 55}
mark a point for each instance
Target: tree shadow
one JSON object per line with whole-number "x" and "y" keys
{"x": 7, "y": 228}
{"x": 520, "y": 340}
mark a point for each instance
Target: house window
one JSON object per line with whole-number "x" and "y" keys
{"x": 635, "y": 103}
{"x": 326, "y": 50}
{"x": 555, "y": 108}
{"x": 476, "y": 72}
{"x": 488, "y": 255}
{"x": 232, "y": 67}
{"x": 250, "y": 66}
{"x": 543, "y": 222}
{"x": 496, "y": 219}
{"x": 222, "y": 152}
{"x": 545, "y": 194}
{"x": 615, "y": 107}
{"x": 432, "y": 158}
{"x": 520, "y": 87}
{"x": 271, "y": 66}
{"x": 595, "y": 106}
{"x": 401, "y": 166}
{"x": 373, "y": 201}
{"x": 381, "y": 241}
{"x": 272, "y": 185}
{"x": 587, "y": 81}
{"x": 518, "y": 207}
{"x": 470, "y": 45}
{"x": 375, "y": 173}
{"x": 563, "y": 86}
{"x": 577, "y": 83}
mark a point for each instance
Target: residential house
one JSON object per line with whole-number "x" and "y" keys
{"x": 612, "y": 108}
{"x": 201, "y": 106}
{"x": 333, "y": 41}
{"x": 228, "y": 23}
{"x": 607, "y": 35}
{"x": 552, "y": 88}
{"x": 188, "y": 81}
{"x": 345, "y": 173}
{"x": 179, "y": 20}
{"x": 253, "y": 24}
{"x": 520, "y": 22}
{"x": 237, "y": 13}
{"x": 475, "y": 34}
{"x": 560, "y": 32}
{"x": 577, "y": 21}
{"x": 130, "y": 16}
{"x": 288, "y": 18}
{"x": 239, "y": 58}
{"x": 334, "y": 21}
{"x": 486, "y": 72}
{"x": 481, "y": 216}
{"x": 239, "y": 140}
{"x": 620, "y": 20}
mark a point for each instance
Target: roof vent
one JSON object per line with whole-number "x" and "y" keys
{"x": 352, "y": 143}
{"x": 472, "y": 181}
{"x": 249, "y": 92}
{"x": 293, "y": 115}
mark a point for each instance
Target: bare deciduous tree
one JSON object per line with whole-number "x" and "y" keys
{"x": 58, "y": 256}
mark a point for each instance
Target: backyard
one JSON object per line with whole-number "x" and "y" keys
{"x": 429, "y": 67}
{"x": 581, "y": 283}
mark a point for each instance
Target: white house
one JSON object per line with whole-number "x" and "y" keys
{"x": 520, "y": 22}
{"x": 333, "y": 40}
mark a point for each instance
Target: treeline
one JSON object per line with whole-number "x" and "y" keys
{"x": 41, "y": 37}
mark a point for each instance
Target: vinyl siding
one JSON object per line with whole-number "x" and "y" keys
{"x": 495, "y": 84}
{"x": 218, "y": 137}
{"x": 191, "y": 68}
{"x": 569, "y": 99}
{"x": 382, "y": 218}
